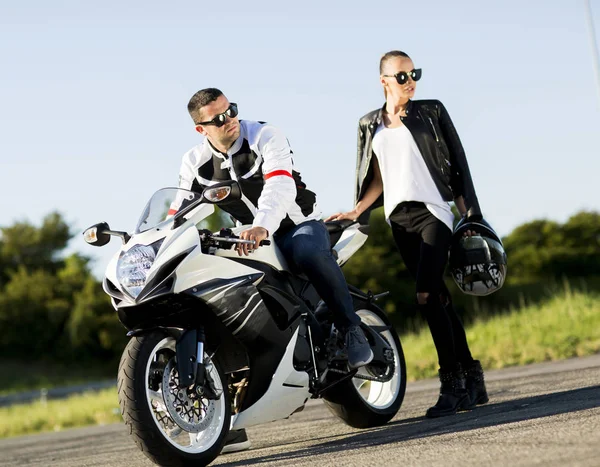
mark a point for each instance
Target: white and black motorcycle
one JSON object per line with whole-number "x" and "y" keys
{"x": 222, "y": 342}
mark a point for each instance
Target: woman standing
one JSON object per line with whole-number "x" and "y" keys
{"x": 419, "y": 166}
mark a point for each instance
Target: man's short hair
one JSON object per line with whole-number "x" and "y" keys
{"x": 201, "y": 99}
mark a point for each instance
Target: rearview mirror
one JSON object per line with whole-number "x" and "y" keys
{"x": 96, "y": 235}
{"x": 223, "y": 192}
{"x": 99, "y": 234}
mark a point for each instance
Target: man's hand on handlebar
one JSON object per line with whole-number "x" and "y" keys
{"x": 256, "y": 234}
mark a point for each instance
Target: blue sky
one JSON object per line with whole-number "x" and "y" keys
{"x": 93, "y": 97}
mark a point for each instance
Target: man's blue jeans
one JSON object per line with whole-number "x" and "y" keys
{"x": 307, "y": 249}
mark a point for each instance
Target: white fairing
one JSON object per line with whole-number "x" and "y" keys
{"x": 279, "y": 401}
{"x": 289, "y": 389}
{"x": 175, "y": 242}
{"x": 349, "y": 243}
{"x": 197, "y": 267}
{"x": 269, "y": 254}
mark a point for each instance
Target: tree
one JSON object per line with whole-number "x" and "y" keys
{"x": 93, "y": 327}
{"x": 32, "y": 315}
{"x": 24, "y": 245}
{"x": 539, "y": 252}
{"x": 546, "y": 249}
{"x": 378, "y": 267}
{"x": 50, "y": 305}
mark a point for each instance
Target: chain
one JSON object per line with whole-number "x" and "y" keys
{"x": 384, "y": 379}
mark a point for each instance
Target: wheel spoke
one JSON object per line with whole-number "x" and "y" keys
{"x": 189, "y": 423}
{"x": 359, "y": 383}
{"x": 378, "y": 394}
{"x": 174, "y": 433}
{"x": 194, "y": 439}
{"x": 157, "y": 401}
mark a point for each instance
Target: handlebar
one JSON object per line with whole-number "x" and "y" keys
{"x": 227, "y": 236}
{"x": 239, "y": 240}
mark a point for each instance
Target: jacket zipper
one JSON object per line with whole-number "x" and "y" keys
{"x": 437, "y": 141}
{"x": 434, "y": 132}
{"x": 371, "y": 130}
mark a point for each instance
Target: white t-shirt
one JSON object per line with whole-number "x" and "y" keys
{"x": 405, "y": 174}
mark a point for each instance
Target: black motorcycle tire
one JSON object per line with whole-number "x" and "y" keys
{"x": 138, "y": 417}
{"x": 343, "y": 399}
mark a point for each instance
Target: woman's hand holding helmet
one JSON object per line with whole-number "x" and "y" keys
{"x": 477, "y": 259}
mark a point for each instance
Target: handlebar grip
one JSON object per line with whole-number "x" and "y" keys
{"x": 265, "y": 243}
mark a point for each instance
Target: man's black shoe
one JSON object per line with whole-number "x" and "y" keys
{"x": 358, "y": 348}
{"x": 236, "y": 440}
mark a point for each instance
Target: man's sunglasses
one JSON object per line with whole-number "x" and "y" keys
{"x": 402, "y": 76}
{"x": 221, "y": 119}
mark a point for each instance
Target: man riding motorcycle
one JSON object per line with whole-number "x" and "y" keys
{"x": 277, "y": 204}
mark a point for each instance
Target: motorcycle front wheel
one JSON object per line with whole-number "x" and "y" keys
{"x": 172, "y": 426}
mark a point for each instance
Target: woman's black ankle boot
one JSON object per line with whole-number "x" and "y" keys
{"x": 453, "y": 394}
{"x": 475, "y": 384}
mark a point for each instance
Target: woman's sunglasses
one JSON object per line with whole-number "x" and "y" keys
{"x": 402, "y": 76}
{"x": 221, "y": 119}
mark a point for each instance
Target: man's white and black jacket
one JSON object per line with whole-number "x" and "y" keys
{"x": 273, "y": 194}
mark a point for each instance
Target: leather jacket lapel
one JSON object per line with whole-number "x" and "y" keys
{"x": 441, "y": 150}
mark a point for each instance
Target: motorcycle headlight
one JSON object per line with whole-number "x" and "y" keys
{"x": 134, "y": 265}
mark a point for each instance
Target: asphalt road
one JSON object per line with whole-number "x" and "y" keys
{"x": 547, "y": 414}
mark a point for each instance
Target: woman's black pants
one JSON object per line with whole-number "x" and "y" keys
{"x": 424, "y": 242}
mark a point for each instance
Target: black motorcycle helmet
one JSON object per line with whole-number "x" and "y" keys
{"x": 478, "y": 263}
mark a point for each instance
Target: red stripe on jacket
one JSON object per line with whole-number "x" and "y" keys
{"x": 275, "y": 173}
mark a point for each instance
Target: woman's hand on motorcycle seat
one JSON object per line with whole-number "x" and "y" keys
{"x": 340, "y": 216}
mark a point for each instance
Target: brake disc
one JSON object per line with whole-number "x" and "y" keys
{"x": 187, "y": 409}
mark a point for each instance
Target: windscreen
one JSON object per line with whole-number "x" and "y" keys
{"x": 164, "y": 205}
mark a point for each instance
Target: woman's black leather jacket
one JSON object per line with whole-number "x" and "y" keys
{"x": 431, "y": 127}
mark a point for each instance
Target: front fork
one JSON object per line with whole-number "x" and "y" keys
{"x": 191, "y": 365}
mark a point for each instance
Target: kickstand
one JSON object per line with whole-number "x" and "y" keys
{"x": 342, "y": 379}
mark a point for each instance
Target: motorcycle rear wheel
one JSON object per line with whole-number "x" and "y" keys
{"x": 366, "y": 404}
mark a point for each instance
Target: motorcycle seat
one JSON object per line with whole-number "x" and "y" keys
{"x": 338, "y": 226}
{"x": 335, "y": 229}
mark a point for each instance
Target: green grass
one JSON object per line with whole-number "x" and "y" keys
{"x": 16, "y": 376}
{"x": 567, "y": 325}
{"x": 86, "y": 409}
